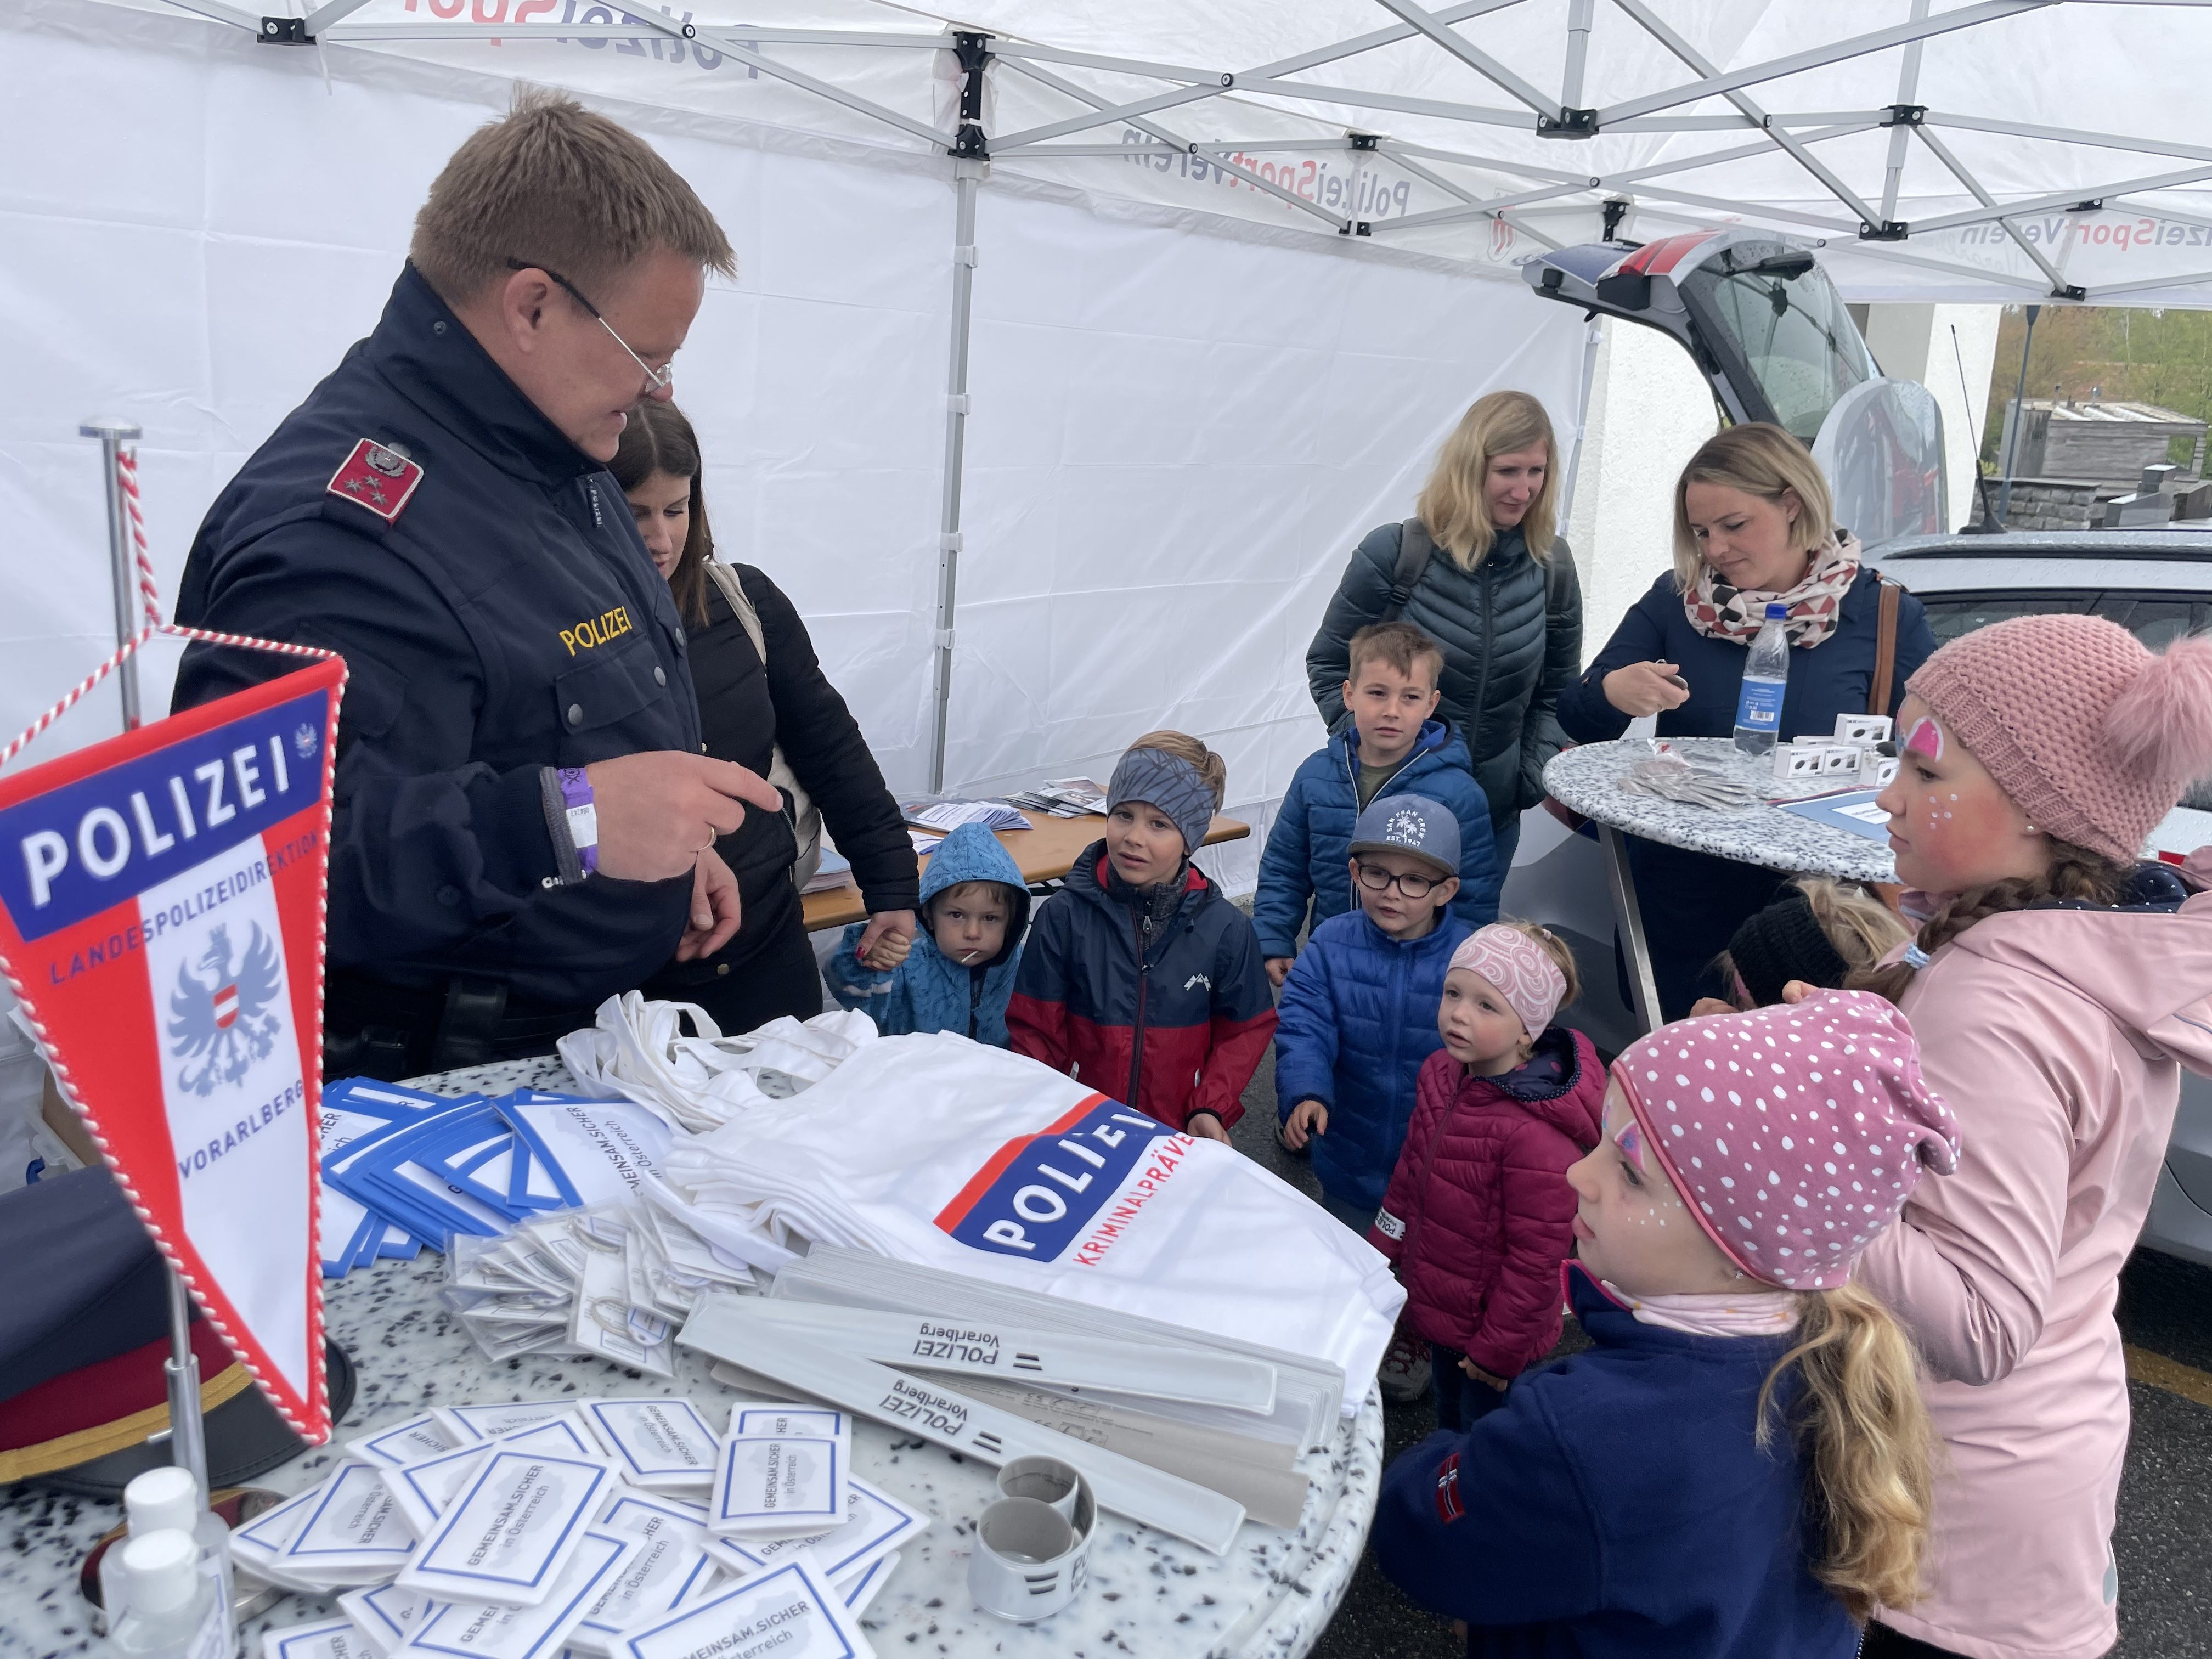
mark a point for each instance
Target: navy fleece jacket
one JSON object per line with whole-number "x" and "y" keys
{"x": 1617, "y": 1505}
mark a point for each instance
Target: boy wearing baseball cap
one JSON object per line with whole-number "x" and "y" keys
{"x": 1358, "y": 1012}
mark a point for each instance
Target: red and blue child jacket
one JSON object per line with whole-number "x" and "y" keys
{"x": 1165, "y": 1007}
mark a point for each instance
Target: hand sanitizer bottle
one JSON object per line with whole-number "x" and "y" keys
{"x": 166, "y": 1500}
{"x": 171, "y": 1611}
{"x": 1766, "y": 677}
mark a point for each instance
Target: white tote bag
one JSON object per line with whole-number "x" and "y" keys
{"x": 937, "y": 1149}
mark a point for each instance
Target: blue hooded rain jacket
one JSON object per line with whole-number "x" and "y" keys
{"x": 929, "y": 991}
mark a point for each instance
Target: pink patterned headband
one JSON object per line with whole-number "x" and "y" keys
{"x": 1522, "y": 970}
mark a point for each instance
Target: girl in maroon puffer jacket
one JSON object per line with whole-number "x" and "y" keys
{"x": 1479, "y": 1214}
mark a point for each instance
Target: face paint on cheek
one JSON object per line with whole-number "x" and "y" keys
{"x": 1927, "y": 740}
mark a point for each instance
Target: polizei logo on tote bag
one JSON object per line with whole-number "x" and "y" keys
{"x": 161, "y": 922}
{"x": 1040, "y": 1194}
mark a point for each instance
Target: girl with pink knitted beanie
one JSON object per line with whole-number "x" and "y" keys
{"x": 1739, "y": 1466}
{"x": 2058, "y": 986}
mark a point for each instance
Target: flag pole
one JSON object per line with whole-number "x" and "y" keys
{"x": 135, "y": 611}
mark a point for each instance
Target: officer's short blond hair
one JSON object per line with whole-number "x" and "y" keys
{"x": 556, "y": 186}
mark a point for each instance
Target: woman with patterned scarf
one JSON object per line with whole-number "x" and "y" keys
{"x": 1753, "y": 525}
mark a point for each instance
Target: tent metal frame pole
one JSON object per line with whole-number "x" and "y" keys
{"x": 1792, "y": 146}
{"x": 2066, "y": 136}
{"x": 1440, "y": 182}
{"x": 1593, "y": 337}
{"x": 1858, "y": 46}
{"x": 1908, "y": 86}
{"x": 1151, "y": 129}
{"x": 966, "y": 176}
{"x": 1633, "y": 176}
{"x": 1473, "y": 57}
{"x": 2143, "y": 285}
{"x": 1941, "y": 152}
{"x": 1106, "y": 115}
{"x": 1337, "y": 51}
{"x": 332, "y": 11}
{"x": 2064, "y": 200}
{"x": 1580, "y": 15}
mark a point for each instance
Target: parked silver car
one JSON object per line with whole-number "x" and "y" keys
{"x": 1775, "y": 343}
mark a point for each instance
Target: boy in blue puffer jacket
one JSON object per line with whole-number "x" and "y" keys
{"x": 1359, "y": 1013}
{"x": 975, "y": 908}
{"x": 1391, "y": 748}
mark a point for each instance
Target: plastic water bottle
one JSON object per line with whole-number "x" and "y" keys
{"x": 162, "y": 1500}
{"x": 1766, "y": 677}
{"x": 172, "y": 1612}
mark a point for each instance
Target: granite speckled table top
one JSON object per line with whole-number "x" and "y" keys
{"x": 1588, "y": 778}
{"x": 1148, "y": 1593}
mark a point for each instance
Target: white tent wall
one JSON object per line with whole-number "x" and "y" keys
{"x": 233, "y": 223}
{"x": 1177, "y": 441}
{"x": 1180, "y": 428}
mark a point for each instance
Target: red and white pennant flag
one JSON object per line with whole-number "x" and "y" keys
{"x": 161, "y": 905}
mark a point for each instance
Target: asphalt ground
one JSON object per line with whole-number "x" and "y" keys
{"x": 2164, "y": 1541}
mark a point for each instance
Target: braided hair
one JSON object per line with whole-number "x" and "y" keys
{"x": 2076, "y": 875}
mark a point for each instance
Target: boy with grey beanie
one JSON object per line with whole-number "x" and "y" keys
{"x": 1139, "y": 977}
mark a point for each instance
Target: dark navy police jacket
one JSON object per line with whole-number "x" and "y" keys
{"x": 504, "y": 619}
{"x": 1616, "y": 1504}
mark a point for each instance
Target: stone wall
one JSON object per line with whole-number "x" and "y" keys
{"x": 2048, "y": 503}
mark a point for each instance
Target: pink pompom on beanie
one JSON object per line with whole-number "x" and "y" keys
{"x": 1794, "y": 1133}
{"x": 2092, "y": 736}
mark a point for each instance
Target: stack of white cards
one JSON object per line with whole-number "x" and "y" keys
{"x": 781, "y": 1471}
{"x": 608, "y": 1281}
{"x": 519, "y": 1531}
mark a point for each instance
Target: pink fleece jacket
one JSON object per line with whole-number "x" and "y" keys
{"x": 2058, "y": 1035}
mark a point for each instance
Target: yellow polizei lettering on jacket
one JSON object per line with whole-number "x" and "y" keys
{"x": 597, "y": 631}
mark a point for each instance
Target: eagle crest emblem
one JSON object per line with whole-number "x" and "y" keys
{"x": 224, "y": 1017}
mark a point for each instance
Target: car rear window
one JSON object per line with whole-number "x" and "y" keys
{"x": 1950, "y": 617}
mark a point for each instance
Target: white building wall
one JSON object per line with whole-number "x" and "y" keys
{"x": 1649, "y": 411}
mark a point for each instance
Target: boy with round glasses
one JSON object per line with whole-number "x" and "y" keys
{"x": 1357, "y": 1018}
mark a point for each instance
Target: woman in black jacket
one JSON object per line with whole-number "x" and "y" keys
{"x": 746, "y": 710}
{"x": 1510, "y": 620}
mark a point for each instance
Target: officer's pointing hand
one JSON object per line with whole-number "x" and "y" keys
{"x": 658, "y": 811}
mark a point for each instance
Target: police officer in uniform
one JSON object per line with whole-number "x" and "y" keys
{"x": 525, "y": 819}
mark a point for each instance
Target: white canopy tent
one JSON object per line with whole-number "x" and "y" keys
{"x": 1101, "y": 332}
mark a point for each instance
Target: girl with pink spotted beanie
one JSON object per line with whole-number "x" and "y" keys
{"x": 1739, "y": 1467}
{"x": 2058, "y": 987}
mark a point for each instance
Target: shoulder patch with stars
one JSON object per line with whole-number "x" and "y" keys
{"x": 377, "y": 478}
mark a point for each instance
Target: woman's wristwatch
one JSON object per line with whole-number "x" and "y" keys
{"x": 572, "y": 819}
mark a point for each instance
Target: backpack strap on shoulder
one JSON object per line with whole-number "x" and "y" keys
{"x": 1415, "y": 548}
{"x": 725, "y": 577}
